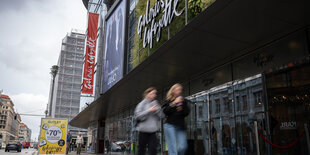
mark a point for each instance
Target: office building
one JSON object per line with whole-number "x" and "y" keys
{"x": 24, "y": 133}
{"x": 67, "y": 87}
{"x": 9, "y": 126}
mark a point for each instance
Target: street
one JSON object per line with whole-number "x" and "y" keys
{"x": 24, "y": 152}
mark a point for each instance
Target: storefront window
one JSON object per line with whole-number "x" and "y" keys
{"x": 289, "y": 109}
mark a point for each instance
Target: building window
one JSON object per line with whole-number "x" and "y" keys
{"x": 77, "y": 86}
{"x": 78, "y": 71}
{"x": 68, "y": 79}
{"x": 245, "y": 102}
{"x": 238, "y": 103}
{"x": 258, "y": 98}
{"x": 69, "y": 70}
{"x": 200, "y": 111}
{"x": 79, "y": 65}
{"x": 227, "y": 105}
{"x": 217, "y": 106}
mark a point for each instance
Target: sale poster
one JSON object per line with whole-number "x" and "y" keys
{"x": 53, "y": 136}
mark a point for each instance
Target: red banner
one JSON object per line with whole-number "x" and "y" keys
{"x": 90, "y": 54}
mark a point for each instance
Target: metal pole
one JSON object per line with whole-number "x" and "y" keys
{"x": 186, "y": 7}
{"x": 53, "y": 72}
{"x": 256, "y": 137}
{"x": 307, "y": 136}
{"x": 52, "y": 94}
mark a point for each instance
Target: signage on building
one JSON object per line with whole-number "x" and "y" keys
{"x": 114, "y": 46}
{"x": 150, "y": 26}
{"x": 90, "y": 54}
{"x": 53, "y": 136}
{"x": 292, "y": 125}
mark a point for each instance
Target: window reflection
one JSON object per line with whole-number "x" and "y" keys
{"x": 234, "y": 106}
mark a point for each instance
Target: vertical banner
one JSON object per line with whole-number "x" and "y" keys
{"x": 114, "y": 46}
{"x": 53, "y": 136}
{"x": 90, "y": 54}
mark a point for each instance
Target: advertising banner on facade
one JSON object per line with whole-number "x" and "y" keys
{"x": 53, "y": 136}
{"x": 114, "y": 46}
{"x": 90, "y": 54}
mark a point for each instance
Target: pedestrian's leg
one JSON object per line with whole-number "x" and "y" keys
{"x": 170, "y": 136}
{"x": 182, "y": 141}
{"x": 143, "y": 137}
{"x": 67, "y": 148}
{"x": 152, "y": 144}
{"x": 108, "y": 149}
{"x": 80, "y": 147}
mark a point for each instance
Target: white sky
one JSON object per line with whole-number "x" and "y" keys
{"x": 30, "y": 41}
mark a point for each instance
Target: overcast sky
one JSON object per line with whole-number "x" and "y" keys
{"x": 31, "y": 34}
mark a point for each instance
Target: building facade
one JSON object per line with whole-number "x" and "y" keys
{"x": 9, "y": 126}
{"x": 24, "y": 133}
{"x": 244, "y": 66}
{"x": 67, "y": 88}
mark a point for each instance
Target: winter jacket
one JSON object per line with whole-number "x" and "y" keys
{"x": 175, "y": 117}
{"x": 149, "y": 122}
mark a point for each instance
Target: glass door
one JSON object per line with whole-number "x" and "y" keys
{"x": 289, "y": 110}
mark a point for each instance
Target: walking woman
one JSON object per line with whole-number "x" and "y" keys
{"x": 175, "y": 108}
{"x": 148, "y": 115}
{"x": 79, "y": 143}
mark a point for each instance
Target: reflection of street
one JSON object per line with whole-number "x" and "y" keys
{"x": 24, "y": 152}
{"x": 85, "y": 153}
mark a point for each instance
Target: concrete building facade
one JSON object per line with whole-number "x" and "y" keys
{"x": 24, "y": 132}
{"x": 9, "y": 127}
{"x": 67, "y": 87}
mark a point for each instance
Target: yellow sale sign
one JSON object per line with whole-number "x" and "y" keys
{"x": 53, "y": 136}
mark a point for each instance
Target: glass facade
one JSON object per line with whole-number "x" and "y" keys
{"x": 258, "y": 102}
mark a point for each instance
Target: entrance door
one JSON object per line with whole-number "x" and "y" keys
{"x": 289, "y": 110}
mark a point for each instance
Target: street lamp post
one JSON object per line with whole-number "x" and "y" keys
{"x": 54, "y": 71}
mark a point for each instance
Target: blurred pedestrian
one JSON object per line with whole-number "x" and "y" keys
{"x": 176, "y": 109}
{"x": 72, "y": 146}
{"x": 148, "y": 115}
{"x": 79, "y": 143}
{"x": 69, "y": 141}
{"x": 107, "y": 145}
{"x": 90, "y": 147}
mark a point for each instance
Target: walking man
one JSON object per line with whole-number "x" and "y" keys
{"x": 69, "y": 141}
{"x": 107, "y": 145}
